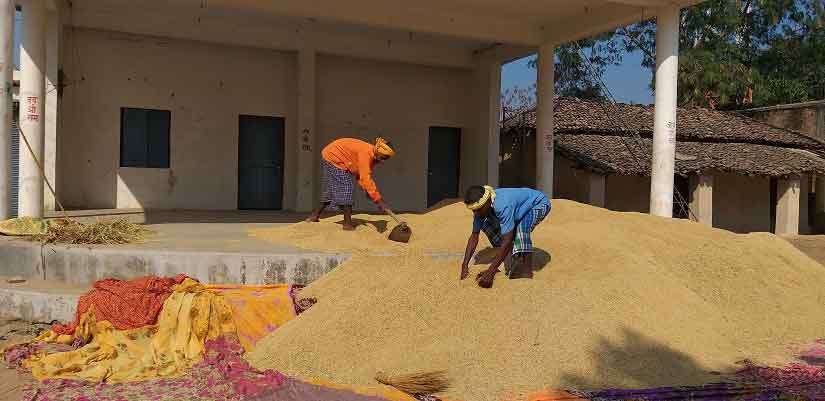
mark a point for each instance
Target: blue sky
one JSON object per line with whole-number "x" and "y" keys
{"x": 628, "y": 82}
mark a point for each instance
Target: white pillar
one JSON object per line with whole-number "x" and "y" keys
{"x": 32, "y": 99}
{"x": 787, "y": 206}
{"x": 493, "y": 114}
{"x": 701, "y": 202}
{"x": 596, "y": 189}
{"x": 487, "y": 105}
{"x": 664, "y": 129}
{"x": 6, "y": 103}
{"x": 305, "y": 195}
{"x": 53, "y": 33}
{"x": 544, "y": 119}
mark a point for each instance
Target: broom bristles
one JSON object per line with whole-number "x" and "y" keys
{"x": 422, "y": 383}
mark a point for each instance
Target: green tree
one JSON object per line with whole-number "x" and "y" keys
{"x": 743, "y": 53}
{"x": 733, "y": 54}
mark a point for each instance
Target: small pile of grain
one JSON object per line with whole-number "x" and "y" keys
{"x": 445, "y": 227}
{"x": 626, "y": 300}
{"x": 101, "y": 232}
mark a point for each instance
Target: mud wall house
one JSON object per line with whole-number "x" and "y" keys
{"x": 732, "y": 172}
{"x": 226, "y": 104}
{"x": 809, "y": 119}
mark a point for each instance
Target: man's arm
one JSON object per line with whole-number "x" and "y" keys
{"x": 366, "y": 182}
{"x": 472, "y": 243}
{"x": 506, "y": 247}
{"x": 485, "y": 278}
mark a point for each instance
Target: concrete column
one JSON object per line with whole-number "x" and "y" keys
{"x": 701, "y": 202}
{"x": 487, "y": 106}
{"x": 53, "y": 33}
{"x": 493, "y": 114}
{"x": 596, "y": 189}
{"x": 787, "y": 206}
{"x": 6, "y": 103}
{"x": 305, "y": 195}
{"x": 32, "y": 99}
{"x": 544, "y": 118}
{"x": 664, "y": 129}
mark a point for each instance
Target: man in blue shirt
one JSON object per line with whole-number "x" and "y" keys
{"x": 507, "y": 216}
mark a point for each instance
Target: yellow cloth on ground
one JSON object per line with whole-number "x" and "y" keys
{"x": 23, "y": 226}
{"x": 190, "y": 316}
{"x": 257, "y": 309}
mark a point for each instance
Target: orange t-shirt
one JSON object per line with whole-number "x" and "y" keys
{"x": 357, "y": 157}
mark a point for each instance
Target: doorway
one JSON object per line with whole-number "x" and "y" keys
{"x": 443, "y": 164}
{"x": 260, "y": 162}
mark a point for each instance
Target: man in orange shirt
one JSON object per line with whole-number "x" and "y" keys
{"x": 343, "y": 159}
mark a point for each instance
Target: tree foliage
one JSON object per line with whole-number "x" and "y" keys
{"x": 733, "y": 54}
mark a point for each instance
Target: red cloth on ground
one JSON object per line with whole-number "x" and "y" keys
{"x": 126, "y": 304}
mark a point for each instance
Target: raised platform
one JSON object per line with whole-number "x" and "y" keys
{"x": 212, "y": 247}
{"x": 39, "y": 301}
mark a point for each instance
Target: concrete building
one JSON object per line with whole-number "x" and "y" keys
{"x": 731, "y": 171}
{"x": 226, "y": 104}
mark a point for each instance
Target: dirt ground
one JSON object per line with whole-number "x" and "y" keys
{"x": 12, "y": 380}
{"x": 811, "y": 245}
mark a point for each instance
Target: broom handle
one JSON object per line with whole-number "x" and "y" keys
{"x": 42, "y": 170}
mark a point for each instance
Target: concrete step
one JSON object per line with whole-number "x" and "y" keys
{"x": 87, "y": 264}
{"x": 39, "y": 300}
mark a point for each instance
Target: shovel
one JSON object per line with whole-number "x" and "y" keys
{"x": 401, "y": 232}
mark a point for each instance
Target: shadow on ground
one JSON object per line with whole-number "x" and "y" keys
{"x": 541, "y": 258}
{"x": 380, "y": 225}
{"x": 641, "y": 362}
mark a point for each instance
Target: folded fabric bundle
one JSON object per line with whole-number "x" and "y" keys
{"x": 125, "y": 304}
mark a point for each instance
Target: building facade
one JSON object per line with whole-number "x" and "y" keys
{"x": 226, "y": 104}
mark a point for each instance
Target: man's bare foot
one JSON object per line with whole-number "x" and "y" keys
{"x": 523, "y": 267}
{"x": 312, "y": 219}
{"x": 349, "y": 227}
{"x": 521, "y": 273}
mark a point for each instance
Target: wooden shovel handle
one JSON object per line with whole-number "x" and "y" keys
{"x": 394, "y": 217}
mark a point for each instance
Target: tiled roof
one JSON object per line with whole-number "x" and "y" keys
{"x": 616, "y": 139}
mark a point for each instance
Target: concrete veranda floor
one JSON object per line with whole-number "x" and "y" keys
{"x": 188, "y": 230}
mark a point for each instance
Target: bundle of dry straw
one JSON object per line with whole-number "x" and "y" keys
{"x": 101, "y": 232}
{"x": 423, "y": 383}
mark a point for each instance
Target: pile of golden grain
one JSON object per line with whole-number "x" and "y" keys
{"x": 619, "y": 300}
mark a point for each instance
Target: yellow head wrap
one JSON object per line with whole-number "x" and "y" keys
{"x": 489, "y": 194}
{"x": 381, "y": 148}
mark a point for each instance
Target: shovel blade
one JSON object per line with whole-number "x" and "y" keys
{"x": 401, "y": 233}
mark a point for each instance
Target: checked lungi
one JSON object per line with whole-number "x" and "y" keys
{"x": 336, "y": 185}
{"x": 521, "y": 240}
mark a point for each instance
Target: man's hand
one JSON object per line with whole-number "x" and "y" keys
{"x": 485, "y": 278}
{"x": 465, "y": 271}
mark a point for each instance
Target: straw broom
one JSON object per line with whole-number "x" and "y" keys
{"x": 422, "y": 383}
